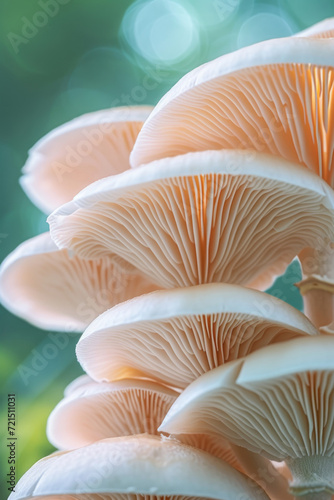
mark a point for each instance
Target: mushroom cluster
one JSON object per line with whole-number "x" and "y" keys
{"x": 166, "y": 227}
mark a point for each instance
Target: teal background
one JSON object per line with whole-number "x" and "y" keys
{"x": 87, "y": 56}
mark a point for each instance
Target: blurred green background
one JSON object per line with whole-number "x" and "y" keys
{"x": 62, "y": 58}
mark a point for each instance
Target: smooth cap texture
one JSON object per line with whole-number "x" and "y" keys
{"x": 143, "y": 465}
{"x": 54, "y": 291}
{"x": 79, "y": 152}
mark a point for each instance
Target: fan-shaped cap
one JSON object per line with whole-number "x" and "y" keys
{"x": 278, "y": 401}
{"x": 324, "y": 29}
{"x": 231, "y": 216}
{"x": 275, "y": 97}
{"x": 78, "y": 383}
{"x": 176, "y": 335}
{"x": 79, "y": 152}
{"x": 95, "y": 411}
{"x": 137, "y": 465}
{"x": 92, "y": 411}
{"x": 54, "y": 291}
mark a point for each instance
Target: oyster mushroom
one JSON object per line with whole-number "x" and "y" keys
{"x": 276, "y": 97}
{"x": 317, "y": 285}
{"x": 92, "y": 411}
{"x": 79, "y": 152}
{"x": 50, "y": 289}
{"x": 135, "y": 467}
{"x": 95, "y": 411}
{"x": 279, "y": 402}
{"x": 231, "y": 216}
{"x": 174, "y": 336}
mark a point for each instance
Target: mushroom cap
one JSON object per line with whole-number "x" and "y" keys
{"x": 92, "y": 411}
{"x": 77, "y": 383}
{"x": 79, "y": 152}
{"x": 324, "y": 29}
{"x": 176, "y": 335}
{"x": 275, "y": 96}
{"x": 278, "y": 401}
{"x": 136, "y": 465}
{"x": 95, "y": 411}
{"x": 231, "y": 216}
{"x": 54, "y": 291}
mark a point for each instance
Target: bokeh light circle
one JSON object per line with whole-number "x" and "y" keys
{"x": 307, "y": 12}
{"x": 215, "y": 12}
{"x": 161, "y": 31}
{"x": 264, "y": 26}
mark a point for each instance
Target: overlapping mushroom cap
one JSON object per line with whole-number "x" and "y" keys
{"x": 231, "y": 216}
{"x": 54, "y": 291}
{"x": 278, "y": 401}
{"x": 92, "y": 411}
{"x": 79, "y": 152}
{"x": 95, "y": 411}
{"x": 135, "y": 467}
{"x": 176, "y": 335}
{"x": 276, "y": 96}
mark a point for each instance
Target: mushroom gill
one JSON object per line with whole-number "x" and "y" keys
{"x": 174, "y": 336}
{"x": 278, "y": 402}
{"x": 54, "y": 291}
{"x": 91, "y": 411}
{"x": 233, "y": 179}
{"x": 213, "y": 216}
{"x": 276, "y": 97}
{"x": 96, "y": 411}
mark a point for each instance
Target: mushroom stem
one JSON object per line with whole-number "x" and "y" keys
{"x": 317, "y": 286}
{"x": 262, "y": 471}
{"x": 318, "y": 305}
{"x": 313, "y": 477}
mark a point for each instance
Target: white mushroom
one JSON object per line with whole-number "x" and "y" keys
{"x": 276, "y": 97}
{"x": 92, "y": 411}
{"x": 135, "y": 467}
{"x": 79, "y": 152}
{"x": 279, "y": 402}
{"x": 95, "y": 411}
{"x": 176, "y": 335}
{"x": 230, "y": 216}
{"x": 54, "y": 291}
